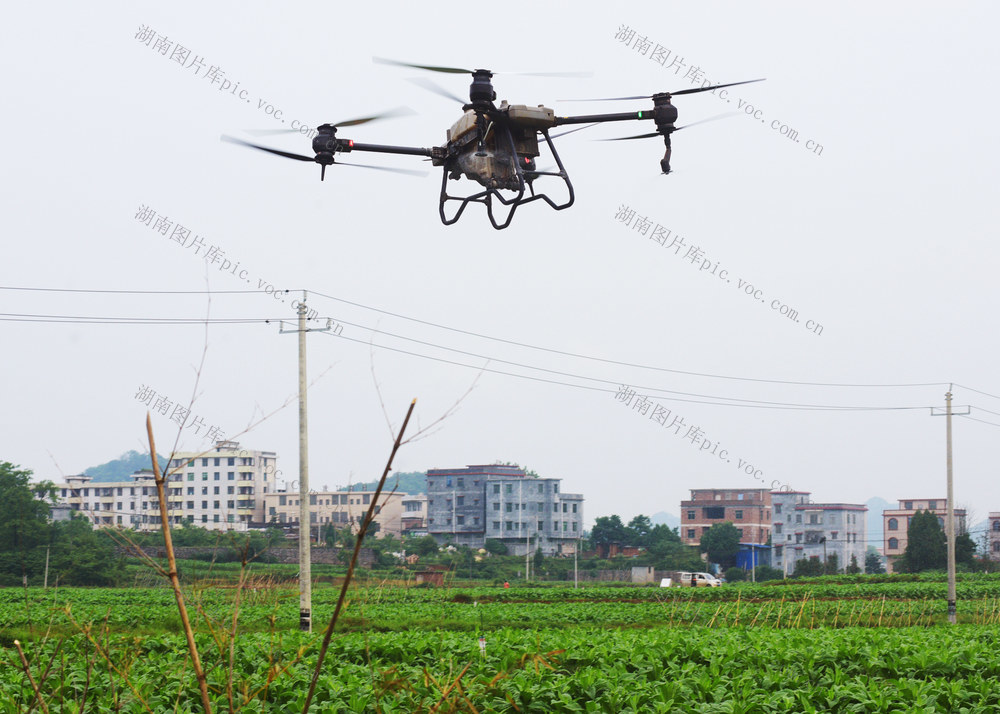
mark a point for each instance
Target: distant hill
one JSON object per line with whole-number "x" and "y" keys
{"x": 875, "y": 507}
{"x": 124, "y": 466}
{"x": 668, "y": 519}
{"x": 410, "y": 482}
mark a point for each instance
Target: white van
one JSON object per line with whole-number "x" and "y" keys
{"x": 697, "y": 580}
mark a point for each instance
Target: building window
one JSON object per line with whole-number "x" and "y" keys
{"x": 231, "y": 461}
{"x": 509, "y": 525}
{"x": 691, "y": 515}
{"x": 509, "y": 488}
{"x": 496, "y": 525}
{"x": 777, "y": 509}
{"x": 777, "y": 528}
{"x": 996, "y": 525}
{"x": 496, "y": 488}
{"x": 460, "y": 520}
{"x": 893, "y": 543}
{"x": 739, "y": 515}
{"x": 190, "y": 477}
{"x": 574, "y": 508}
{"x": 739, "y": 532}
{"x": 893, "y": 524}
{"x": 691, "y": 533}
{"x": 996, "y": 546}
{"x": 908, "y": 505}
{"x": 510, "y": 507}
{"x": 448, "y": 482}
{"x": 204, "y": 462}
{"x": 461, "y": 482}
{"x": 459, "y": 500}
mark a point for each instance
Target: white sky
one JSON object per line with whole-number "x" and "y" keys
{"x": 887, "y": 239}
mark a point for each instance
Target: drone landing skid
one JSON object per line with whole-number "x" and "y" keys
{"x": 524, "y": 179}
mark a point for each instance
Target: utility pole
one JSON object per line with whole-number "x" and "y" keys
{"x": 576, "y": 582}
{"x": 949, "y": 524}
{"x": 305, "y": 527}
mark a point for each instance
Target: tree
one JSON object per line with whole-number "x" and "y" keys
{"x": 735, "y": 575}
{"x": 24, "y": 522}
{"x": 873, "y": 563}
{"x": 608, "y": 530}
{"x": 965, "y": 550}
{"x": 637, "y": 531}
{"x": 832, "y": 565}
{"x": 926, "y": 546}
{"x": 763, "y": 573}
{"x": 853, "y": 568}
{"x": 495, "y": 547}
{"x": 808, "y": 568}
{"x": 722, "y": 543}
{"x": 423, "y": 546}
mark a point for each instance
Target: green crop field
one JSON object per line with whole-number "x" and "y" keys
{"x": 819, "y": 646}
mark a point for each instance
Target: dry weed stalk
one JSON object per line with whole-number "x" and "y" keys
{"x": 369, "y": 517}
{"x": 175, "y": 582}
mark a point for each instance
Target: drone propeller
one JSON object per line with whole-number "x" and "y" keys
{"x": 432, "y": 87}
{"x": 392, "y": 113}
{"x": 316, "y": 159}
{"x": 579, "y": 128}
{"x": 656, "y": 133}
{"x": 286, "y": 154}
{"x": 694, "y": 90}
{"x": 462, "y": 70}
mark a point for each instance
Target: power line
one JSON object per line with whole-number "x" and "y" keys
{"x": 502, "y": 340}
{"x": 962, "y": 386}
{"x": 133, "y": 292}
{"x": 610, "y": 361}
{"x": 614, "y": 382}
{"x": 700, "y": 398}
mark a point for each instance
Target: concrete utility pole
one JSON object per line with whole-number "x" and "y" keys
{"x": 949, "y": 524}
{"x": 305, "y": 527}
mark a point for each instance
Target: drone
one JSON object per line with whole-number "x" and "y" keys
{"x": 494, "y": 146}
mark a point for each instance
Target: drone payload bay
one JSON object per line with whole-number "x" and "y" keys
{"x": 495, "y": 146}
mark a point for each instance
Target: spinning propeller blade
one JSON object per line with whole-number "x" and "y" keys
{"x": 694, "y": 90}
{"x": 286, "y": 154}
{"x": 407, "y": 172}
{"x": 656, "y": 133}
{"x": 432, "y": 87}
{"x": 462, "y": 70}
{"x": 397, "y": 112}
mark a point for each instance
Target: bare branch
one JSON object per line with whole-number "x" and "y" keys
{"x": 369, "y": 516}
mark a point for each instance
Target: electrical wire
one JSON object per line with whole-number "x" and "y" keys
{"x": 498, "y": 339}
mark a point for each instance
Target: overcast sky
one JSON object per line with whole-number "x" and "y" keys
{"x": 885, "y": 236}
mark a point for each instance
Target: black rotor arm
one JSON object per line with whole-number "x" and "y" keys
{"x": 601, "y": 118}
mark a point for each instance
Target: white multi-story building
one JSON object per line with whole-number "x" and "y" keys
{"x": 129, "y": 504}
{"x": 993, "y": 547}
{"x": 222, "y": 489}
{"x": 827, "y": 529}
{"x": 342, "y": 509}
{"x": 783, "y": 517}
